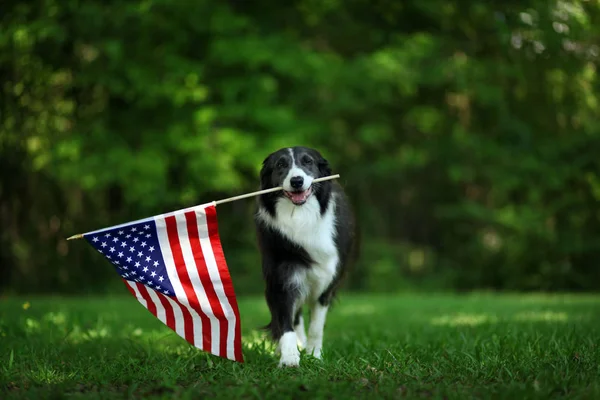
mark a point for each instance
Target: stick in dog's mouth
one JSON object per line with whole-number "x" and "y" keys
{"x": 298, "y": 198}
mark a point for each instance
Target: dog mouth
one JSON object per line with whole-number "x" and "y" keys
{"x": 298, "y": 197}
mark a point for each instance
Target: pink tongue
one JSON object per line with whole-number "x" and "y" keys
{"x": 298, "y": 197}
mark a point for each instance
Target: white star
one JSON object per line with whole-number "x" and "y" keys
{"x": 112, "y": 250}
{"x": 156, "y": 263}
{"x": 123, "y": 244}
{"x": 146, "y": 226}
{"x": 151, "y": 249}
{"x": 120, "y": 254}
{"x": 153, "y": 274}
{"x": 148, "y": 259}
{"x": 160, "y": 278}
{"x": 135, "y": 240}
{"x": 166, "y": 292}
{"x": 100, "y": 251}
{"x": 156, "y": 286}
{"x": 134, "y": 273}
{"x": 137, "y": 264}
{"x": 133, "y": 229}
{"x": 107, "y": 235}
{"x": 143, "y": 244}
{"x": 125, "y": 267}
{"x": 109, "y": 257}
{"x": 128, "y": 259}
{"x": 140, "y": 254}
{"x": 148, "y": 235}
{"x": 128, "y": 236}
{"x": 121, "y": 232}
{"x": 103, "y": 244}
{"x": 95, "y": 239}
{"x": 132, "y": 249}
{"x": 115, "y": 240}
{"x": 117, "y": 262}
{"x": 145, "y": 269}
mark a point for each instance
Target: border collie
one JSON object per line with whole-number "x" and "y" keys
{"x": 306, "y": 235}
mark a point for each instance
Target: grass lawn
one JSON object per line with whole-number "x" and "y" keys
{"x": 376, "y": 346}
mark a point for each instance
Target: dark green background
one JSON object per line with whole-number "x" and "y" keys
{"x": 466, "y": 133}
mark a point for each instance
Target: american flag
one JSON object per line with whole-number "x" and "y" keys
{"x": 174, "y": 265}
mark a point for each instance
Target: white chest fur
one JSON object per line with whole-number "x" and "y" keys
{"x": 315, "y": 233}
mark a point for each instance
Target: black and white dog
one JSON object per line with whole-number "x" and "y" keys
{"x": 306, "y": 235}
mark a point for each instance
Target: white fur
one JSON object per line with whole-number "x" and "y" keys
{"x": 315, "y": 331}
{"x": 290, "y": 355}
{"x": 295, "y": 171}
{"x": 300, "y": 333}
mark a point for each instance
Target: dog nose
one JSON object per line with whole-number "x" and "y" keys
{"x": 296, "y": 182}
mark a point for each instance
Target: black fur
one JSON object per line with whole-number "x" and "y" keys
{"x": 280, "y": 256}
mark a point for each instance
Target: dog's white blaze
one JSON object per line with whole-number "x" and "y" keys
{"x": 290, "y": 355}
{"x": 318, "y": 316}
{"x": 296, "y": 171}
{"x": 300, "y": 333}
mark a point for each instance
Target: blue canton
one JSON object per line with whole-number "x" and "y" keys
{"x": 135, "y": 252}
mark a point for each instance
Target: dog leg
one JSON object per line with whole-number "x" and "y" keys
{"x": 318, "y": 316}
{"x": 299, "y": 329}
{"x": 290, "y": 355}
{"x": 281, "y": 303}
{"x": 288, "y": 343}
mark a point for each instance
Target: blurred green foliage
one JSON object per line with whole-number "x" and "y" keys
{"x": 467, "y": 134}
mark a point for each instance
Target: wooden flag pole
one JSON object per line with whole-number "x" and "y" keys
{"x": 242, "y": 196}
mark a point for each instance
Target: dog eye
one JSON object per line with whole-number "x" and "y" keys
{"x": 280, "y": 164}
{"x": 308, "y": 161}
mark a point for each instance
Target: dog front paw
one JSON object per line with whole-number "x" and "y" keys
{"x": 314, "y": 349}
{"x": 290, "y": 360}
{"x": 290, "y": 355}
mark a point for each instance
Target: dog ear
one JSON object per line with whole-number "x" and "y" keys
{"x": 265, "y": 172}
{"x": 324, "y": 168}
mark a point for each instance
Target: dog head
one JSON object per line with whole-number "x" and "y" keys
{"x": 295, "y": 169}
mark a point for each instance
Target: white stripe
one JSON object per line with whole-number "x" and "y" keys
{"x": 296, "y": 171}
{"x": 160, "y": 310}
{"x": 179, "y": 321}
{"x": 213, "y": 271}
{"x": 165, "y": 247}
{"x": 192, "y": 269}
{"x": 138, "y": 295}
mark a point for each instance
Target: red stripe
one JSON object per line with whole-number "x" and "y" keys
{"x": 169, "y": 314}
{"x": 149, "y": 302}
{"x": 211, "y": 294}
{"x": 129, "y": 288}
{"x": 151, "y": 306}
{"x": 215, "y": 241}
{"x": 184, "y": 278}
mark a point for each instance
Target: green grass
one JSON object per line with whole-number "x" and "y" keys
{"x": 384, "y": 346}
